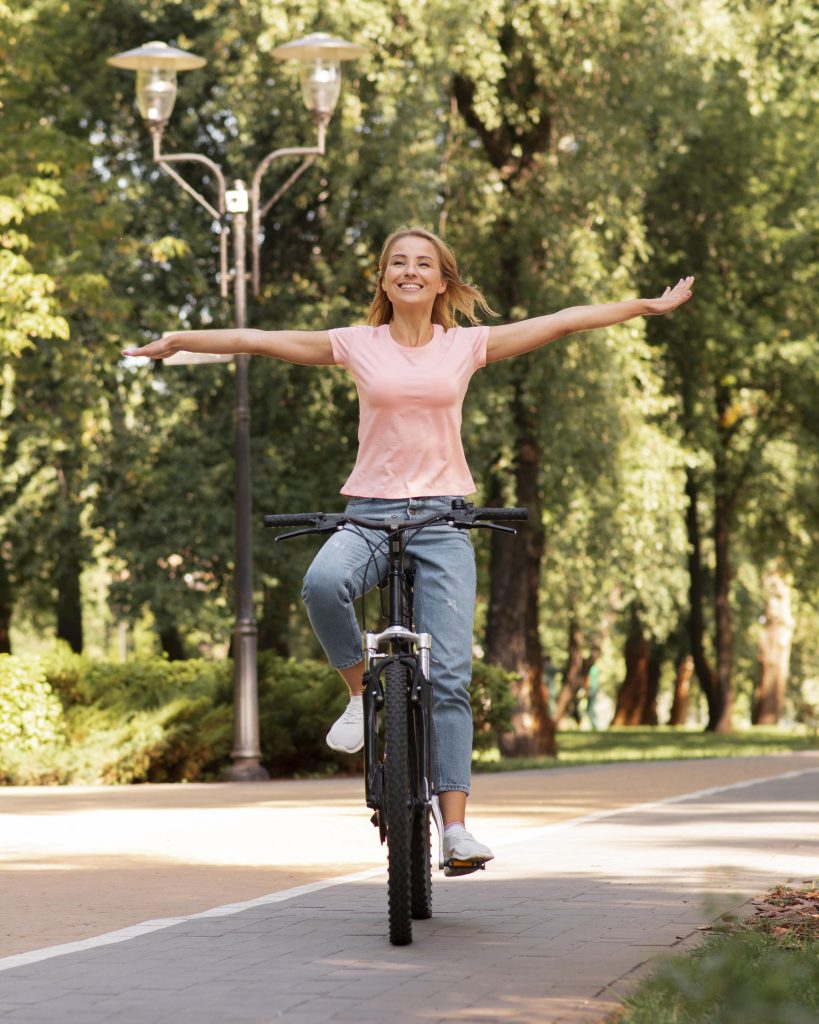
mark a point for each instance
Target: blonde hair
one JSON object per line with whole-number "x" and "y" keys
{"x": 459, "y": 297}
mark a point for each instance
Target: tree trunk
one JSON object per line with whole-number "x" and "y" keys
{"x": 723, "y": 515}
{"x": 696, "y": 599}
{"x": 575, "y": 674}
{"x": 68, "y": 561}
{"x": 69, "y": 601}
{"x": 6, "y": 606}
{"x": 69, "y": 607}
{"x": 512, "y": 638}
{"x": 172, "y": 644}
{"x": 682, "y": 685}
{"x": 631, "y": 699}
{"x": 655, "y": 664}
{"x": 774, "y": 652}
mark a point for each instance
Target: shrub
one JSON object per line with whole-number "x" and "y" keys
{"x": 152, "y": 721}
{"x": 31, "y": 716}
{"x": 81, "y": 721}
{"x": 298, "y": 701}
{"x": 492, "y": 703}
{"x": 142, "y": 721}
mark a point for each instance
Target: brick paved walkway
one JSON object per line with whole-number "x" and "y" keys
{"x": 555, "y": 930}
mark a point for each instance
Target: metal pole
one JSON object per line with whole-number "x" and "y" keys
{"x": 246, "y": 752}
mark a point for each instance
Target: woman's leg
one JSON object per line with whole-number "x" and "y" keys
{"x": 444, "y": 607}
{"x": 347, "y": 566}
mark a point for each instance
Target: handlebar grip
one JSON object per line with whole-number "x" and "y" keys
{"x": 500, "y": 515}
{"x": 293, "y": 519}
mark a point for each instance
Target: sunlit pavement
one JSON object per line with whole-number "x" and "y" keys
{"x": 261, "y": 902}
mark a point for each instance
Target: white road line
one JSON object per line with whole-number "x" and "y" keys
{"x": 148, "y": 927}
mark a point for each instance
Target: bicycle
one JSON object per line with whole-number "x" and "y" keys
{"x": 397, "y": 709}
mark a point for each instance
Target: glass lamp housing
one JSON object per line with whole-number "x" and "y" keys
{"x": 321, "y": 85}
{"x": 156, "y": 93}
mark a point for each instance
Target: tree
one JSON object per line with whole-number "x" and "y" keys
{"x": 541, "y": 176}
{"x": 738, "y": 190}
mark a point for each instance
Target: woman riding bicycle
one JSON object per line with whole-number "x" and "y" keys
{"x": 412, "y": 364}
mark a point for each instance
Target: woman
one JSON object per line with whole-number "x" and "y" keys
{"x": 412, "y": 365}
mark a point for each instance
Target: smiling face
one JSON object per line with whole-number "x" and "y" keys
{"x": 412, "y": 275}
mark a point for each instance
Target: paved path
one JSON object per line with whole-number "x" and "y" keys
{"x": 179, "y": 903}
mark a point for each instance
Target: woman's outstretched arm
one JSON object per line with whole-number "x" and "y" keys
{"x": 310, "y": 348}
{"x": 514, "y": 339}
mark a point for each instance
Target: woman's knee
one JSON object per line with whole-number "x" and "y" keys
{"x": 322, "y": 584}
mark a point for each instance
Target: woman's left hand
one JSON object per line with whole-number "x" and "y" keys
{"x": 671, "y": 298}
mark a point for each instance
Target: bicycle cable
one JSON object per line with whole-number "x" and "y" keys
{"x": 375, "y": 548}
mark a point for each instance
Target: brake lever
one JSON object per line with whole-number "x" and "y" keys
{"x": 481, "y": 526}
{"x": 304, "y": 533}
{"x": 494, "y": 526}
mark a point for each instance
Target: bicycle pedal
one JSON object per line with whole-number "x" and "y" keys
{"x": 454, "y": 868}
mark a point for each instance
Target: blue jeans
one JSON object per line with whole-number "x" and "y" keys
{"x": 444, "y": 606}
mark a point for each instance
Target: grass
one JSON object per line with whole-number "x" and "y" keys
{"x": 761, "y": 970}
{"x": 657, "y": 743}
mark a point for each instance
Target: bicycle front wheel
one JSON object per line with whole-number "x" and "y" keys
{"x": 421, "y": 861}
{"x": 398, "y": 799}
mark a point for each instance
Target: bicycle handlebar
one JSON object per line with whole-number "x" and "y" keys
{"x": 294, "y": 519}
{"x": 465, "y": 517}
{"x": 501, "y": 515}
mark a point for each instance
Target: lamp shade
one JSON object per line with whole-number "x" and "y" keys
{"x": 319, "y": 46}
{"x": 156, "y": 55}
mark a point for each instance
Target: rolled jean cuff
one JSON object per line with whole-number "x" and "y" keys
{"x": 349, "y": 664}
{"x": 452, "y": 789}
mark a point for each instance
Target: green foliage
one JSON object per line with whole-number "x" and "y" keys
{"x": 492, "y": 703}
{"x": 71, "y": 719}
{"x": 570, "y": 152}
{"x": 743, "y": 977}
{"x": 154, "y": 721}
{"x": 298, "y": 701}
{"x": 30, "y": 713}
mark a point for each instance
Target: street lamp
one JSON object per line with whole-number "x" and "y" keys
{"x": 156, "y": 65}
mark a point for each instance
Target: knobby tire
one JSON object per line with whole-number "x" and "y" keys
{"x": 398, "y": 798}
{"x": 421, "y": 864}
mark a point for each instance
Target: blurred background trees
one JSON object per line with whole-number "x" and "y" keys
{"x": 571, "y": 152}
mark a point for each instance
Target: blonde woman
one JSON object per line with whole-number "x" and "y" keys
{"x": 412, "y": 364}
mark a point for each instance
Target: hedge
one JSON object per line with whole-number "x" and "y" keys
{"x": 69, "y": 719}
{"x": 30, "y": 713}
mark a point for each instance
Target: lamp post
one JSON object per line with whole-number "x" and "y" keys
{"x": 156, "y": 65}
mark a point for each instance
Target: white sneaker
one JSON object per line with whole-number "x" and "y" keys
{"x": 347, "y": 733}
{"x": 462, "y": 848}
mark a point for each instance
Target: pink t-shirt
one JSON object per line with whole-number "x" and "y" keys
{"x": 410, "y": 403}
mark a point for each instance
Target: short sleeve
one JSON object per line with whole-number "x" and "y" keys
{"x": 340, "y": 338}
{"x": 478, "y": 338}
